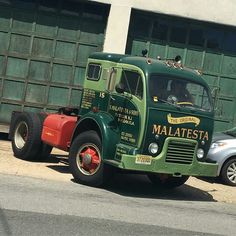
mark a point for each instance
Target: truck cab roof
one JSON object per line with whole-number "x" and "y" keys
{"x": 152, "y": 66}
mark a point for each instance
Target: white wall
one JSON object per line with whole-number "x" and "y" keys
{"x": 117, "y": 29}
{"x": 217, "y": 11}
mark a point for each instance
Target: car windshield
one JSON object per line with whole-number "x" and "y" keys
{"x": 231, "y": 132}
{"x": 179, "y": 92}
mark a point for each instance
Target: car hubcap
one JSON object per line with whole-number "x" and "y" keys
{"x": 21, "y": 135}
{"x": 231, "y": 172}
{"x": 88, "y": 159}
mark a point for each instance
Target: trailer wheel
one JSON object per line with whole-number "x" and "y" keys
{"x": 26, "y": 139}
{"x": 167, "y": 181}
{"x": 44, "y": 152}
{"x": 45, "y": 149}
{"x": 85, "y": 160}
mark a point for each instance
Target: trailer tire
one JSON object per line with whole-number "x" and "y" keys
{"x": 44, "y": 152}
{"x": 26, "y": 140}
{"x": 168, "y": 182}
{"x": 45, "y": 149}
{"x": 85, "y": 160}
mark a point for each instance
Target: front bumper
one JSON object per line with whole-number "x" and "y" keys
{"x": 178, "y": 157}
{"x": 158, "y": 165}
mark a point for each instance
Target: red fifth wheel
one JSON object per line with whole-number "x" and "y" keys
{"x": 85, "y": 160}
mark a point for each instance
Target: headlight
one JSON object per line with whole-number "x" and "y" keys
{"x": 200, "y": 153}
{"x": 153, "y": 148}
{"x": 217, "y": 144}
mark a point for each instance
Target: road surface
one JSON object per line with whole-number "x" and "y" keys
{"x": 40, "y": 198}
{"x": 30, "y": 206}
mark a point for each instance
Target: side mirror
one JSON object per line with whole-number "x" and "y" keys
{"x": 120, "y": 88}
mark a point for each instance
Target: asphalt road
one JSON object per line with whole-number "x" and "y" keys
{"x": 31, "y": 206}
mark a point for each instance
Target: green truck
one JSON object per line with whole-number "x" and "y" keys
{"x": 138, "y": 114}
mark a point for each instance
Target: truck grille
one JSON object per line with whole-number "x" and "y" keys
{"x": 180, "y": 152}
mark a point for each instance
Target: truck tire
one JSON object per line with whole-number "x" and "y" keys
{"x": 26, "y": 140}
{"x": 168, "y": 182}
{"x": 45, "y": 149}
{"x": 85, "y": 160}
{"x": 44, "y": 152}
{"x": 228, "y": 172}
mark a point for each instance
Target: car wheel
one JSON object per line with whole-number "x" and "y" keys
{"x": 85, "y": 160}
{"x": 228, "y": 172}
{"x": 167, "y": 181}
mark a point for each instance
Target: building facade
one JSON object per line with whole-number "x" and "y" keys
{"x": 44, "y": 46}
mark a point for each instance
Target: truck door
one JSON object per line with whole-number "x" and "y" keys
{"x": 127, "y": 105}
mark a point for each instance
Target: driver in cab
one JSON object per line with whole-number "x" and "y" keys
{"x": 179, "y": 93}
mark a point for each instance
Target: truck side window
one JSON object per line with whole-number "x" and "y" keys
{"x": 132, "y": 82}
{"x": 94, "y": 71}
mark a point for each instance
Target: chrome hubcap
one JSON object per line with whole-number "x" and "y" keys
{"x": 21, "y": 135}
{"x": 231, "y": 172}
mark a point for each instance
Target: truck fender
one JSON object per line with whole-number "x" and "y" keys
{"x": 106, "y": 128}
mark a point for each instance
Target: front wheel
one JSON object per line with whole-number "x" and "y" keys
{"x": 228, "y": 172}
{"x": 85, "y": 160}
{"x": 166, "y": 181}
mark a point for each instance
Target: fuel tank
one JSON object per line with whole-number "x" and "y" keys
{"x": 58, "y": 129}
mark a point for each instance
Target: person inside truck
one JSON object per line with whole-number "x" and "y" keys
{"x": 179, "y": 93}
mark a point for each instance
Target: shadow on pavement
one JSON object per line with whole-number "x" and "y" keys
{"x": 134, "y": 185}
{"x": 55, "y": 159}
{"x": 4, "y": 136}
{"x": 4, "y": 222}
{"x": 62, "y": 159}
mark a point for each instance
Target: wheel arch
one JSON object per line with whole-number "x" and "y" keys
{"x": 86, "y": 124}
{"x": 223, "y": 175}
{"x": 228, "y": 159}
{"x": 100, "y": 123}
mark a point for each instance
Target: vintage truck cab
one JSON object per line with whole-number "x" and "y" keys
{"x": 138, "y": 114}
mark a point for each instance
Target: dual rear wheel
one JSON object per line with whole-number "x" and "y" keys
{"x": 26, "y": 139}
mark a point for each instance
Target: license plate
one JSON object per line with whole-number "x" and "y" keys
{"x": 144, "y": 160}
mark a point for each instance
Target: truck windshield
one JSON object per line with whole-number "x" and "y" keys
{"x": 179, "y": 92}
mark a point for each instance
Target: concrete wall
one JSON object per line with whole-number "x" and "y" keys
{"x": 117, "y": 29}
{"x": 217, "y": 11}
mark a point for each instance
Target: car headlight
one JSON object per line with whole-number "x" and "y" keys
{"x": 200, "y": 153}
{"x": 153, "y": 148}
{"x": 217, "y": 144}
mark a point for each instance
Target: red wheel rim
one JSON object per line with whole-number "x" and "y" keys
{"x": 88, "y": 159}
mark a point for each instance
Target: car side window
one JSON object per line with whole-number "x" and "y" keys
{"x": 94, "y": 71}
{"x": 132, "y": 82}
